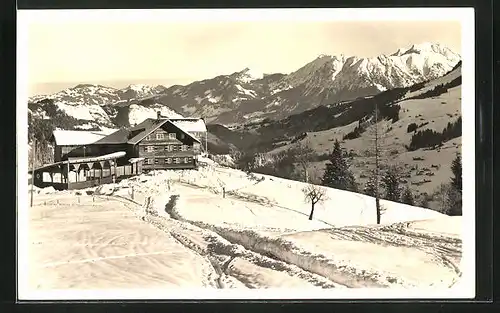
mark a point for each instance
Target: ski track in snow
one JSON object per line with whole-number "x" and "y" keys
{"x": 446, "y": 251}
{"x": 222, "y": 254}
{"x": 263, "y": 256}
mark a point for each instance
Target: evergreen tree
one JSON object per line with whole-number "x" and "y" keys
{"x": 453, "y": 202}
{"x": 370, "y": 188}
{"x": 424, "y": 202}
{"x": 454, "y": 194}
{"x": 337, "y": 173}
{"x": 407, "y": 197}
{"x": 391, "y": 183}
{"x": 456, "y": 168}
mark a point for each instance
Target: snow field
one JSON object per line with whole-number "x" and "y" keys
{"x": 101, "y": 244}
{"x": 259, "y": 235}
{"x": 270, "y": 229}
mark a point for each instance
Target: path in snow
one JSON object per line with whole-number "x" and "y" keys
{"x": 232, "y": 261}
{"x": 100, "y": 242}
{"x": 340, "y": 254}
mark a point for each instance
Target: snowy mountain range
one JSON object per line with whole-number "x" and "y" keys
{"x": 420, "y": 127}
{"x": 245, "y": 96}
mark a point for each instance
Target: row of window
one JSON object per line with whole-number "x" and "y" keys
{"x": 169, "y": 148}
{"x": 185, "y": 160}
{"x": 162, "y": 136}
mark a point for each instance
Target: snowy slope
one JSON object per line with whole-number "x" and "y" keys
{"x": 278, "y": 198}
{"x": 96, "y": 106}
{"x": 137, "y": 113}
{"x": 257, "y": 236}
{"x": 269, "y": 216}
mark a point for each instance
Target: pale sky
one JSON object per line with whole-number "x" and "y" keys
{"x": 117, "y": 54}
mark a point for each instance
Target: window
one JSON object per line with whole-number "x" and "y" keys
{"x": 159, "y": 136}
{"x": 172, "y": 136}
{"x": 177, "y": 160}
{"x": 186, "y": 160}
{"x": 145, "y": 149}
{"x": 146, "y": 161}
{"x": 150, "y": 148}
{"x": 157, "y": 161}
{"x": 184, "y": 148}
{"x": 168, "y": 160}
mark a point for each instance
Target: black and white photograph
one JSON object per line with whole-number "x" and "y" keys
{"x": 217, "y": 153}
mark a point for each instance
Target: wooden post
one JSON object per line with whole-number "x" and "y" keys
{"x": 33, "y": 152}
{"x": 206, "y": 142}
{"x": 67, "y": 175}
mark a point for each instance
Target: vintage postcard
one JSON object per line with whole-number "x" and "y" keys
{"x": 211, "y": 154}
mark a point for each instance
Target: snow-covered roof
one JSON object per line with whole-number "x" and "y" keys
{"x": 150, "y": 125}
{"x": 79, "y": 137}
{"x": 190, "y": 124}
{"x": 135, "y": 160}
{"x": 114, "y": 155}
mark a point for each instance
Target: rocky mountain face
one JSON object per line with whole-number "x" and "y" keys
{"x": 267, "y": 135}
{"x": 244, "y": 97}
{"x": 88, "y": 106}
{"x": 240, "y": 98}
{"x": 419, "y": 129}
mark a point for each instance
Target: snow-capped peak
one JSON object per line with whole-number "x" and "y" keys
{"x": 431, "y": 47}
{"x": 399, "y": 52}
{"x": 247, "y": 75}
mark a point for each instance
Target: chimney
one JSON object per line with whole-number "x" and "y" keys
{"x": 158, "y": 115}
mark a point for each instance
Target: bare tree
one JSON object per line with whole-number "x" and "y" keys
{"x": 304, "y": 156}
{"x": 313, "y": 194}
{"x": 235, "y": 155}
{"x": 244, "y": 161}
{"x": 376, "y": 133}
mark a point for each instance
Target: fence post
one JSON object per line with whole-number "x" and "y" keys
{"x": 33, "y": 153}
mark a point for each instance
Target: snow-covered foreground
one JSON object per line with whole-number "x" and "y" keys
{"x": 414, "y": 247}
{"x": 257, "y": 236}
{"x": 102, "y": 244}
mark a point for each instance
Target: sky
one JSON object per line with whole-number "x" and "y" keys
{"x": 118, "y": 53}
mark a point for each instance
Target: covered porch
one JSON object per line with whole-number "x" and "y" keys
{"x": 79, "y": 173}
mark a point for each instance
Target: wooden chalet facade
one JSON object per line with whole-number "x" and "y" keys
{"x": 85, "y": 158}
{"x": 164, "y": 145}
{"x": 160, "y": 142}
